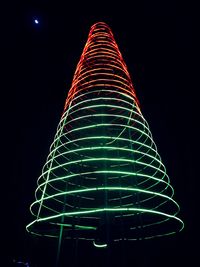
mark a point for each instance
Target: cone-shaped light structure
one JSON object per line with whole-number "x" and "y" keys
{"x": 103, "y": 179}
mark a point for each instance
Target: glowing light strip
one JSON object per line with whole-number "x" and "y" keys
{"x": 107, "y": 148}
{"x": 171, "y": 195}
{"x": 105, "y": 137}
{"x": 108, "y": 125}
{"x": 103, "y": 98}
{"x": 108, "y": 209}
{"x": 104, "y": 172}
{"x": 106, "y": 115}
{"x": 105, "y": 188}
{"x": 103, "y": 85}
{"x": 109, "y": 115}
{"x": 106, "y": 159}
{"x": 99, "y": 245}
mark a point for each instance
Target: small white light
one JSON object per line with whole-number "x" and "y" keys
{"x": 36, "y": 21}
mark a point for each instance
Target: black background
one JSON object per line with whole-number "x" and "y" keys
{"x": 157, "y": 41}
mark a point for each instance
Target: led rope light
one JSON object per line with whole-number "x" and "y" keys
{"x": 105, "y": 172}
{"x": 104, "y": 137}
{"x": 103, "y": 169}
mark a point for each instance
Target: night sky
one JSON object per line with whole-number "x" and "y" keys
{"x": 157, "y": 43}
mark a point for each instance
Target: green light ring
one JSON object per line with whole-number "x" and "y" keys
{"x": 139, "y": 183}
{"x": 164, "y": 169}
{"x": 107, "y": 209}
{"x": 79, "y": 191}
{"x": 108, "y": 148}
{"x": 115, "y": 240}
{"x": 110, "y": 159}
{"x": 89, "y": 158}
{"x": 122, "y": 139}
{"x": 40, "y": 189}
{"x": 142, "y": 134}
{"x": 115, "y": 206}
{"x": 87, "y": 116}
{"x": 78, "y": 146}
{"x": 143, "y": 213}
{"x": 64, "y": 144}
{"x": 106, "y": 172}
{"x": 106, "y": 115}
{"x": 102, "y": 159}
{"x": 103, "y": 125}
{"x": 156, "y": 223}
{"x": 103, "y": 98}
{"x": 156, "y": 157}
{"x": 141, "y": 201}
{"x": 110, "y": 106}
{"x": 155, "y": 235}
{"x": 147, "y": 199}
{"x": 150, "y": 163}
{"x": 116, "y": 199}
{"x": 107, "y": 137}
{"x": 113, "y": 106}
{"x": 144, "y": 225}
{"x": 157, "y": 181}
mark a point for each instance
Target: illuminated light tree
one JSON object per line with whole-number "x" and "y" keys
{"x": 103, "y": 179}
